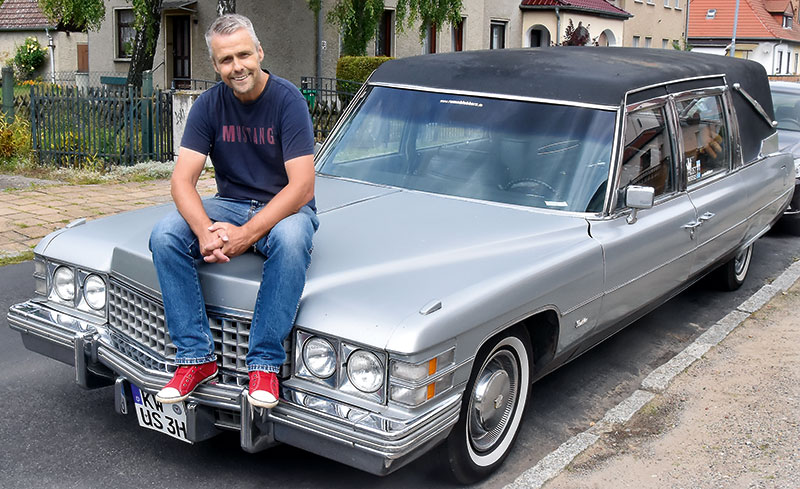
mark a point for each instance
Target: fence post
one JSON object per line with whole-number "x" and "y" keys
{"x": 8, "y": 93}
{"x": 147, "y": 113}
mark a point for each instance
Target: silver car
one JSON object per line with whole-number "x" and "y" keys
{"x": 485, "y": 218}
{"x": 786, "y": 101}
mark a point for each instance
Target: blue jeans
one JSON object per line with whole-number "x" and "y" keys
{"x": 176, "y": 254}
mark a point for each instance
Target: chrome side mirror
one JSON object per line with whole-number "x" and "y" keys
{"x": 636, "y": 198}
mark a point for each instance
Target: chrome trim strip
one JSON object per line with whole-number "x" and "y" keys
{"x": 502, "y": 96}
{"x": 584, "y": 303}
{"x": 638, "y": 277}
{"x": 756, "y": 105}
{"x": 672, "y": 82}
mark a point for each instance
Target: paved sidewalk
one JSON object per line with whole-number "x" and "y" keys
{"x": 27, "y": 215}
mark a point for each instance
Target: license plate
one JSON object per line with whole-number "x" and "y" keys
{"x": 169, "y": 419}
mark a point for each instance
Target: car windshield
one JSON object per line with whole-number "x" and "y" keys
{"x": 787, "y": 110}
{"x": 516, "y": 152}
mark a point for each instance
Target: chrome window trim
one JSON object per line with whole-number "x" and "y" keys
{"x": 494, "y": 95}
{"x": 672, "y": 82}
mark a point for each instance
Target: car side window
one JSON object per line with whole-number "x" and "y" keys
{"x": 647, "y": 156}
{"x": 705, "y": 137}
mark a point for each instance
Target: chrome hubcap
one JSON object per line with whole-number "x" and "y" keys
{"x": 493, "y": 399}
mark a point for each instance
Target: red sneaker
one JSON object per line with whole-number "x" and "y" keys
{"x": 185, "y": 380}
{"x": 263, "y": 391}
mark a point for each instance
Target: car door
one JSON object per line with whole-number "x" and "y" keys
{"x": 718, "y": 193}
{"x": 647, "y": 259}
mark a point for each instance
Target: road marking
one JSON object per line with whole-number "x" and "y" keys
{"x": 656, "y": 382}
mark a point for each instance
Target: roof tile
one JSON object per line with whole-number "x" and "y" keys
{"x": 22, "y": 14}
{"x": 755, "y": 22}
{"x": 595, "y": 5}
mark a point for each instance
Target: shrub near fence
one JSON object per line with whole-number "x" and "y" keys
{"x": 71, "y": 127}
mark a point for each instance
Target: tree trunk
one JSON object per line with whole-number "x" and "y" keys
{"x": 144, "y": 44}
{"x": 226, "y": 7}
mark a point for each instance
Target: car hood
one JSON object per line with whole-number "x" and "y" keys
{"x": 382, "y": 257}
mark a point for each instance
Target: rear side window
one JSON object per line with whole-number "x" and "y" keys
{"x": 706, "y": 139}
{"x": 647, "y": 157}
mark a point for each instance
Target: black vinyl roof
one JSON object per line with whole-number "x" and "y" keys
{"x": 580, "y": 74}
{"x": 590, "y": 75}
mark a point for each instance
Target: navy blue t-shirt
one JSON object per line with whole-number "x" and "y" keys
{"x": 249, "y": 143}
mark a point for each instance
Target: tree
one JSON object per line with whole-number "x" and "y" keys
{"x": 147, "y": 22}
{"x": 358, "y": 19}
{"x": 78, "y": 15}
{"x": 576, "y": 36}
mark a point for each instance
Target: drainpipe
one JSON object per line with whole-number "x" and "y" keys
{"x": 52, "y": 47}
{"x": 735, "y": 22}
{"x": 558, "y": 27}
{"x": 319, "y": 45}
{"x": 686, "y": 30}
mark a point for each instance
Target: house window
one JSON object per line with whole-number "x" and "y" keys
{"x": 429, "y": 43}
{"x": 678, "y": 4}
{"x": 664, "y": 43}
{"x": 648, "y": 41}
{"x": 125, "y": 33}
{"x": 795, "y": 63}
{"x": 497, "y": 35}
{"x": 666, "y": 4}
{"x": 383, "y": 39}
{"x": 711, "y": 13}
{"x": 787, "y": 21}
{"x": 636, "y": 41}
{"x": 780, "y": 62}
{"x": 458, "y": 35}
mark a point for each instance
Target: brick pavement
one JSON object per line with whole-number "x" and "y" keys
{"x": 27, "y": 215}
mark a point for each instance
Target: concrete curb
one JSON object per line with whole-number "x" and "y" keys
{"x": 655, "y": 383}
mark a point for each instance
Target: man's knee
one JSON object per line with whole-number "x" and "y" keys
{"x": 292, "y": 233}
{"x": 168, "y": 232}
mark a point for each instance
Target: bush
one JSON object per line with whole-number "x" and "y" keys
{"x": 30, "y": 57}
{"x": 15, "y": 137}
{"x": 357, "y": 69}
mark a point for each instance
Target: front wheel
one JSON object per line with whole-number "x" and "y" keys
{"x": 492, "y": 408}
{"x": 732, "y": 274}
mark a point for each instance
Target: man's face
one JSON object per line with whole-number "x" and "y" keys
{"x": 238, "y": 61}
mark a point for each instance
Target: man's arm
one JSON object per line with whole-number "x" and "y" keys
{"x": 184, "y": 192}
{"x": 297, "y": 193}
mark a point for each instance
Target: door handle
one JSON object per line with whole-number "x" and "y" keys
{"x": 707, "y": 216}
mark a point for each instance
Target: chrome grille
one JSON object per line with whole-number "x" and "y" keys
{"x": 140, "y": 319}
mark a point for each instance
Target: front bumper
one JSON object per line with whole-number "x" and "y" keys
{"x": 367, "y": 441}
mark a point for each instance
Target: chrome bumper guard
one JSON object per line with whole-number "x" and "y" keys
{"x": 370, "y": 441}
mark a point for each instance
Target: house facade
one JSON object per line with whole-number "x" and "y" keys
{"x": 20, "y": 19}
{"x": 295, "y": 47}
{"x": 766, "y": 31}
{"x": 655, "y": 23}
{"x": 544, "y": 22}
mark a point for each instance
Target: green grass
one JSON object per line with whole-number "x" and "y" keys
{"x": 16, "y": 258}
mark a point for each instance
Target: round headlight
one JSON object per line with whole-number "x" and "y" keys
{"x": 64, "y": 283}
{"x": 319, "y": 357}
{"x": 94, "y": 291}
{"x": 365, "y": 371}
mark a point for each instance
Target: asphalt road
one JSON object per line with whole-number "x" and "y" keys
{"x": 54, "y": 434}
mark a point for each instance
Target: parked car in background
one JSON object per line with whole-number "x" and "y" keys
{"x": 485, "y": 217}
{"x": 786, "y": 102}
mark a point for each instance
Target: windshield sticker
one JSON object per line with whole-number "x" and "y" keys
{"x": 692, "y": 170}
{"x": 551, "y": 203}
{"x": 461, "y": 102}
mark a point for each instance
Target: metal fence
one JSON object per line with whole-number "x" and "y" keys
{"x": 191, "y": 84}
{"x": 326, "y": 98}
{"x": 100, "y": 126}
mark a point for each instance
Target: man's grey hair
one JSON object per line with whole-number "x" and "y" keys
{"x": 228, "y": 24}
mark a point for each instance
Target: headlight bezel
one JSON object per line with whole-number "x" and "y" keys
{"x": 339, "y": 381}
{"x": 44, "y": 275}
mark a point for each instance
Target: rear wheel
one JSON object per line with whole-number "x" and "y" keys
{"x": 492, "y": 408}
{"x": 732, "y": 274}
